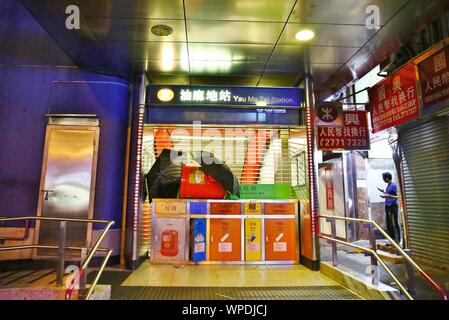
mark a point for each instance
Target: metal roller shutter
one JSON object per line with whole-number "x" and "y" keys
{"x": 426, "y": 182}
{"x": 255, "y": 154}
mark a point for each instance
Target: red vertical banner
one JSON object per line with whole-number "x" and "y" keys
{"x": 395, "y": 99}
{"x": 434, "y": 78}
{"x": 330, "y": 195}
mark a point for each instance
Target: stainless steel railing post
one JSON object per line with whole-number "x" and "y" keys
{"x": 411, "y": 285}
{"x": 83, "y": 275}
{"x": 60, "y": 270}
{"x": 374, "y": 262}
{"x": 334, "y": 244}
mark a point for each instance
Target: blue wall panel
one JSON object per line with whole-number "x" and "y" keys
{"x": 26, "y": 95}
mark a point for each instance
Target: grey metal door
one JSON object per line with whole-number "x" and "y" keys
{"x": 67, "y": 184}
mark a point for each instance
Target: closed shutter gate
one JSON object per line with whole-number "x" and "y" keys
{"x": 426, "y": 182}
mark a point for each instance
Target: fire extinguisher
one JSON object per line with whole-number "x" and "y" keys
{"x": 169, "y": 245}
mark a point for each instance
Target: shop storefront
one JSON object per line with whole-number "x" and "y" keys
{"x": 408, "y": 111}
{"x": 425, "y": 155}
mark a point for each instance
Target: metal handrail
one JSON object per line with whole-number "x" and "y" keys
{"x": 86, "y": 263}
{"x": 434, "y": 284}
{"x": 89, "y": 257}
{"x": 100, "y": 271}
{"x": 24, "y": 237}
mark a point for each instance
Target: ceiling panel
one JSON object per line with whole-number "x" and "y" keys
{"x": 224, "y": 32}
{"x": 279, "y": 80}
{"x": 389, "y": 39}
{"x": 235, "y": 52}
{"x": 147, "y": 50}
{"x": 233, "y": 32}
{"x": 135, "y": 29}
{"x": 157, "y": 9}
{"x": 285, "y": 66}
{"x": 291, "y": 54}
{"x": 329, "y": 35}
{"x": 169, "y": 79}
{"x": 225, "y": 80}
{"x": 19, "y": 32}
{"x": 244, "y": 10}
{"x": 343, "y": 11}
{"x": 164, "y": 66}
{"x": 212, "y": 68}
{"x": 321, "y": 72}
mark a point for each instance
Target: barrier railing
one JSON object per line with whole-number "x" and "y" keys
{"x": 375, "y": 256}
{"x": 62, "y": 248}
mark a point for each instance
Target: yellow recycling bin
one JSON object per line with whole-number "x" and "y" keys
{"x": 253, "y": 232}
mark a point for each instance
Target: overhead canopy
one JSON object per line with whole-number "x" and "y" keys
{"x": 233, "y": 42}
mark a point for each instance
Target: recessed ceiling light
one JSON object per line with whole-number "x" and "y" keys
{"x": 305, "y": 35}
{"x": 162, "y": 30}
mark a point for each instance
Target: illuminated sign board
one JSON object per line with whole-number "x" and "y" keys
{"x": 395, "y": 99}
{"x": 354, "y": 135}
{"x": 434, "y": 78}
{"x": 226, "y": 96}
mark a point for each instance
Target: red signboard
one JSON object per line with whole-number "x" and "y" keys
{"x": 329, "y": 178}
{"x": 434, "y": 78}
{"x": 395, "y": 99}
{"x": 354, "y": 135}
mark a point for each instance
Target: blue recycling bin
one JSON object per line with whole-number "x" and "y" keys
{"x": 199, "y": 240}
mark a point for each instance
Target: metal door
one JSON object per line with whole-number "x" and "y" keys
{"x": 67, "y": 184}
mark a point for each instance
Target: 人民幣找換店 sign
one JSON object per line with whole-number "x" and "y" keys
{"x": 395, "y": 99}
{"x": 434, "y": 78}
{"x": 353, "y": 135}
{"x": 232, "y": 96}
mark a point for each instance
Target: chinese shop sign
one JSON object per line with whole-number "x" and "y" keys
{"x": 434, "y": 78}
{"x": 231, "y": 96}
{"x": 354, "y": 135}
{"x": 329, "y": 178}
{"x": 395, "y": 99}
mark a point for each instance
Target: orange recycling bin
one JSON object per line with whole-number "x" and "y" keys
{"x": 280, "y": 239}
{"x": 226, "y": 207}
{"x": 225, "y": 240}
{"x": 280, "y": 208}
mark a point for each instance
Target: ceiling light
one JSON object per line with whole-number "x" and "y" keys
{"x": 305, "y": 35}
{"x": 162, "y": 30}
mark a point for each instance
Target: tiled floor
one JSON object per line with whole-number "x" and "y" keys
{"x": 226, "y": 276}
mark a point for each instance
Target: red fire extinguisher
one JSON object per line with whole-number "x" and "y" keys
{"x": 169, "y": 245}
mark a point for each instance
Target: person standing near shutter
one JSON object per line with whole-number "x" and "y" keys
{"x": 391, "y": 207}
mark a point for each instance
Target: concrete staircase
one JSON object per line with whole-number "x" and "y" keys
{"x": 41, "y": 285}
